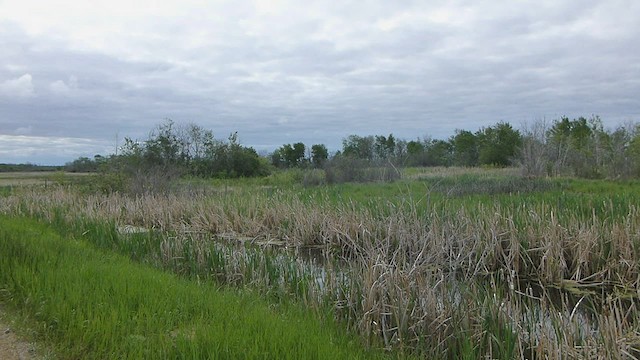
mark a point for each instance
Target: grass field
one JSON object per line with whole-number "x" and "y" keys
{"x": 44, "y": 178}
{"x": 445, "y": 263}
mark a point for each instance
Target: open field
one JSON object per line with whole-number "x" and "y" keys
{"x": 36, "y": 178}
{"x": 449, "y": 263}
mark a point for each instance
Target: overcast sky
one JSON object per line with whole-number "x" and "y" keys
{"x": 76, "y": 76}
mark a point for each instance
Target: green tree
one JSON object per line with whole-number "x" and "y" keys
{"x": 465, "y": 148}
{"x": 572, "y": 146}
{"x": 297, "y": 155}
{"x": 164, "y": 147}
{"x": 438, "y": 153}
{"x": 83, "y": 164}
{"x": 415, "y": 147}
{"x": 359, "y": 147}
{"x": 384, "y": 146}
{"x": 498, "y": 144}
{"x": 289, "y": 156}
{"x": 278, "y": 158}
{"x": 632, "y": 152}
{"x": 319, "y": 155}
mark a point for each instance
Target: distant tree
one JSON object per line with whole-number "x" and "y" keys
{"x": 384, "y": 146}
{"x": 438, "y": 153}
{"x": 296, "y": 157}
{"x": 572, "y": 144}
{"x": 319, "y": 155}
{"x": 533, "y": 158}
{"x": 278, "y": 158}
{"x": 199, "y": 141}
{"x": 498, "y": 144}
{"x": 415, "y": 153}
{"x": 415, "y": 148}
{"x": 580, "y": 147}
{"x": 82, "y": 164}
{"x": 617, "y": 158}
{"x": 234, "y": 160}
{"x": 632, "y": 151}
{"x": 465, "y": 148}
{"x": 172, "y": 150}
{"x": 359, "y": 147}
{"x": 289, "y": 156}
{"x": 164, "y": 147}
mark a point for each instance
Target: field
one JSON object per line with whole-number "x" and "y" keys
{"x": 445, "y": 263}
{"x": 44, "y": 178}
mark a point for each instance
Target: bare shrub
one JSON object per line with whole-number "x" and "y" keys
{"x": 314, "y": 177}
{"x": 533, "y": 158}
{"x": 152, "y": 180}
{"x": 342, "y": 169}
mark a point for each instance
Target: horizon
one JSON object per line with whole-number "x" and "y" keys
{"x": 116, "y": 146}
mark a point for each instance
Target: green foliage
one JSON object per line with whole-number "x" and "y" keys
{"x": 359, "y": 147}
{"x": 498, "y": 144}
{"x": 575, "y": 133}
{"x": 172, "y": 151}
{"x": 415, "y": 147}
{"x": 84, "y": 164}
{"x": 429, "y": 152}
{"x": 319, "y": 155}
{"x": 27, "y": 167}
{"x": 580, "y": 147}
{"x": 633, "y": 152}
{"x": 465, "y": 148}
{"x": 385, "y": 146}
{"x": 371, "y": 148}
{"x": 289, "y": 156}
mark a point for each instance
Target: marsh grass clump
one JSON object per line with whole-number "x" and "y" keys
{"x": 474, "y": 185}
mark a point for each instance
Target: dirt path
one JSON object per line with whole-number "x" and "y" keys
{"x": 11, "y": 346}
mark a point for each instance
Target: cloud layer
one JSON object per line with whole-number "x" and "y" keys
{"x": 288, "y": 71}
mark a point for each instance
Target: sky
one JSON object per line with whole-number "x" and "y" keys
{"x": 77, "y": 77}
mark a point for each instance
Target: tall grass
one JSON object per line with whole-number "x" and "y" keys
{"x": 551, "y": 272}
{"x": 92, "y": 304}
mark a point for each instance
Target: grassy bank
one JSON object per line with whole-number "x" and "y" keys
{"x": 89, "y": 303}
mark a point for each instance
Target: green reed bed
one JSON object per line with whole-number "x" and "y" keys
{"x": 90, "y": 303}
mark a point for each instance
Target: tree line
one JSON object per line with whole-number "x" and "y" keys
{"x": 579, "y": 147}
{"x": 573, "y": 147}
{"x": 496, "y": 145}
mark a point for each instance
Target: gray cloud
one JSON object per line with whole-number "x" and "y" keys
{"x": 24, "y": 148}
{"x": 315, "y": 71}
{"x": 18, "y": 88}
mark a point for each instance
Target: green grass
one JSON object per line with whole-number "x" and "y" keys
{"x": 446, "y": 191}
{"x": 89, "y": 303}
